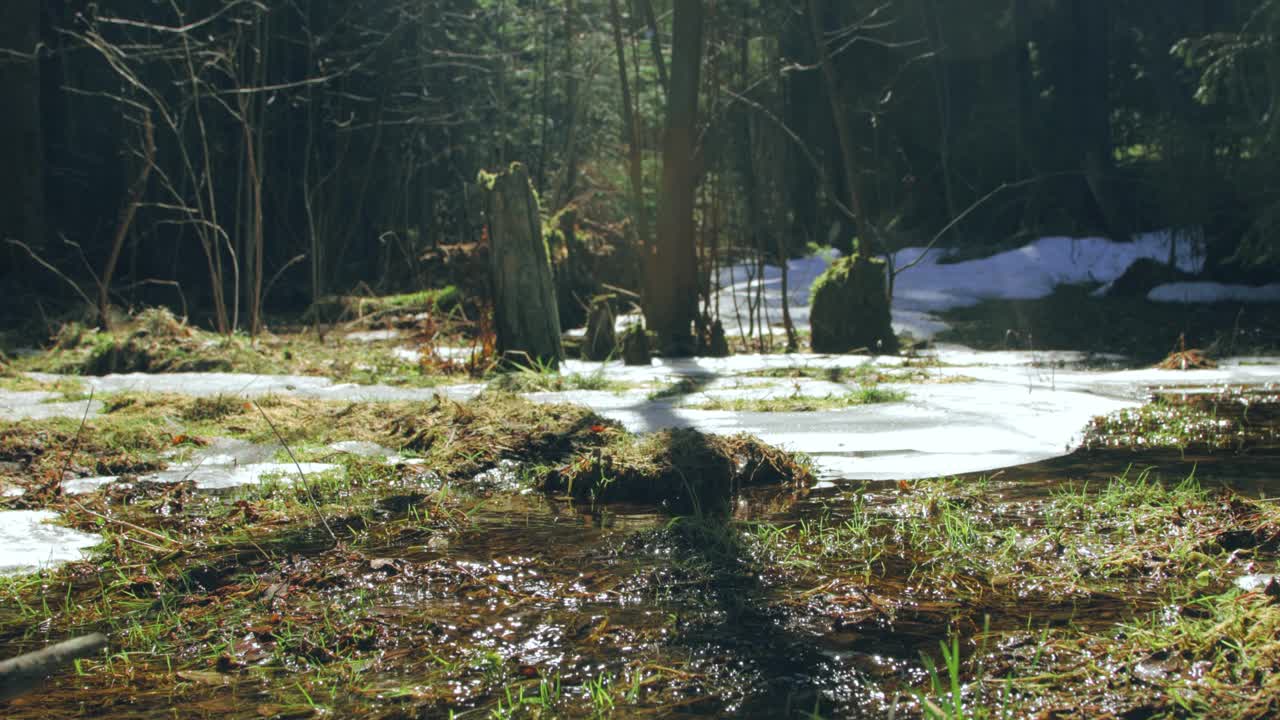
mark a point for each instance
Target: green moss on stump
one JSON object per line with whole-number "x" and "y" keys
{"x": 850, "y": 308}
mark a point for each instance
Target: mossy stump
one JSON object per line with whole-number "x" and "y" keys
{"x": 850, "y": 308}
{"x": 635, "y": 346}
{"x": 525, "y": 316}
{"x": 717, "y": 342}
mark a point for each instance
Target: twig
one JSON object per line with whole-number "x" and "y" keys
{"x": 301, "y": 475}
{"x": 52, "y": 269}
{"x": 23, "y": 673}
{"x": 127, "y": 215}
{"x": 75, "y": 442}
{"x": 156, "y": 281}
{"x": 271, "y": 283}
{"x": 970, "y": 210}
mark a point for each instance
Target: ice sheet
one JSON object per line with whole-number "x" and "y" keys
{"x": 28, "y": 542}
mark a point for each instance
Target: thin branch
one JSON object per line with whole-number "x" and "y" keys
{"x": 301, "y": 475}
{"x": 52, "y": 269}
{"x": 970, "y": 210}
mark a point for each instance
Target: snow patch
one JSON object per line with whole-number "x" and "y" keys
{"x": 1208, "y": 292}
{"x": 932, "y": 285}
{"x": 28, "y": 542}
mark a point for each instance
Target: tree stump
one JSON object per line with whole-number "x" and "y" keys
{"x": 718, "y": 344}
{"x": 850, "y": 309}
{"x": 601, "y": 340}
{"x": 525, "y": 318}
{"x": 635, "y": 346}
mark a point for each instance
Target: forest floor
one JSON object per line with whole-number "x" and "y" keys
{"x": 384, "y": 527}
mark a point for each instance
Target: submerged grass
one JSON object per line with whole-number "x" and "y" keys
{"x": 802, "y": 403}
{"x": 864, "y": 374}
{"x": 1131, "y": 581}
{"x": 1233, "y": 419}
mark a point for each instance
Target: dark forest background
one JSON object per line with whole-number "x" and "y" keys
{"x": 234, "y": 158}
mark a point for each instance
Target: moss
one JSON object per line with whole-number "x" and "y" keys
{"x": 341, "y": 308}
{"x": 850, "y": 308}
{"x": 486, "y": 179}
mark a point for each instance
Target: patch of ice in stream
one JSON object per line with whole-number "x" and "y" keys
{"x": 29, "y": 541}
{"x": 224, "y": 464}
{"x": 42, "y": 405}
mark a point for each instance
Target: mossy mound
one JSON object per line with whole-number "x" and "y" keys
{"x": 460, "y": 440}
{"x": 681, "y": 470}
{"x": 850, "y": 308}
{"x": 350, "y": 308}
{"x": 152, "y": 341}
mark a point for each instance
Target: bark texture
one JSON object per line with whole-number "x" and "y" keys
{"x": 526, "y": 320}
{"x": 671, "y": 297}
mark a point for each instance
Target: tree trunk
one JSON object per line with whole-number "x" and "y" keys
{"x": 802, "y": 91}
{"x": 942, "y": 89}
{"x": 844, "y": 130}
{"x": 571, "y": 101}
{"x": 655, "y": 41}
{"x": 631, "y": 135}
{"x": 1093, "y": 105}
{"x": 671, "y": 279}
{"x": 1025, "y": 98}
{"x": 21, "y": 142}
{"x": 524, "y": 294}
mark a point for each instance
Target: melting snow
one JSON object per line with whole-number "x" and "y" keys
{"x": 1206, "y": 292}
{"x": 934, "y": 285}
{"x": 28, "y": 542}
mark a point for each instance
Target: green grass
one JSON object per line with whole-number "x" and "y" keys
{"x": 863, "y": 374}
{"x": 155, "y": 341}
{"x": 1168, "y": 424}
{"x": 680, "y": 388}
{"x": 801, "y": 403}
{"x": 529, "y": 380}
